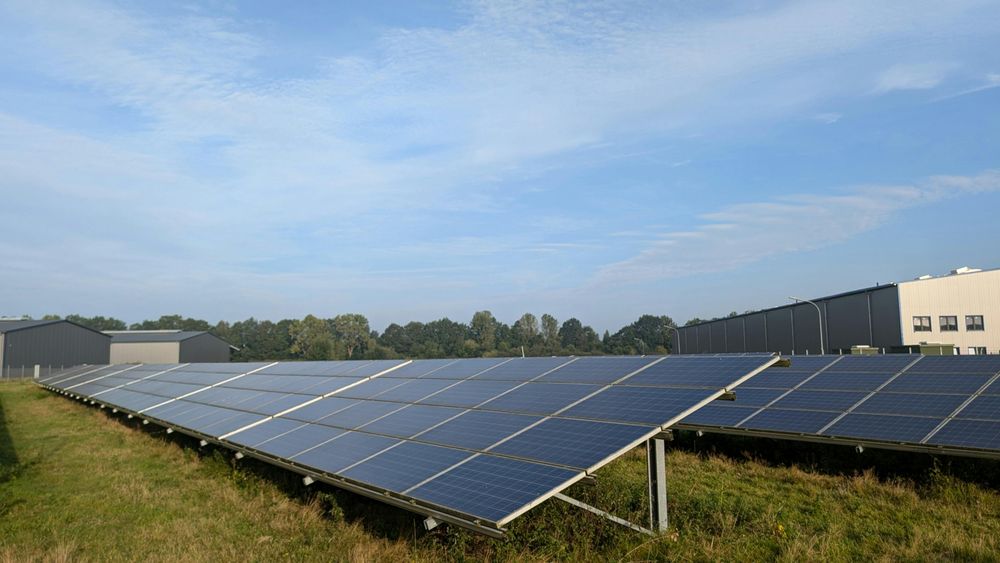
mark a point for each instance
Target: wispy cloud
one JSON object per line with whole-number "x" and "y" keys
{"x": 920, "y": 76}
{"x": 741, "y": 234}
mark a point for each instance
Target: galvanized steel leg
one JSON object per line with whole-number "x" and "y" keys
{"x": 656, "y": 460}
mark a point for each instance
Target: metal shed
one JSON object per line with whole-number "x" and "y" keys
{"x": 50, "y": 344}
{"x": 167, "y": 347}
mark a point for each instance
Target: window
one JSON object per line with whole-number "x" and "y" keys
{"x": 949, "y": 323}
{"x": 922, "y": 324}
{"x": 974, "y": 322}
{"x": 977, "y": 350}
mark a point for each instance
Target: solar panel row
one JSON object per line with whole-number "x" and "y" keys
{"x": 484, "y": 439}
{"x": 941, "y": 402}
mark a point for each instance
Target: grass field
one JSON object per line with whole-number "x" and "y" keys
{"x": 79, "y": 484}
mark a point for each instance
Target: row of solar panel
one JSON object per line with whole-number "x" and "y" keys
{"x": 432, "y": 430}
{"x": 942, "y": 401}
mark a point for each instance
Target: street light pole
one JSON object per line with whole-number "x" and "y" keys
{"x": 819, "y": 315}
{"x": 677, "y": 341}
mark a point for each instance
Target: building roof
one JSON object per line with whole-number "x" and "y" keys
{"x": 21, "y": 324}
{"x": 135, "y": 336}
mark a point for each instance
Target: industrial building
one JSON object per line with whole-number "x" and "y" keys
{"x": 167, "y": 347}
{"x": 51, "y": 344}
{"x": 960, "y": 311}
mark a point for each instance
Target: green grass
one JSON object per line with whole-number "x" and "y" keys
{"x": 79, "y": 484}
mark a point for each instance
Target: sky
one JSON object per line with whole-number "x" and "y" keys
{"x": 416, "y": 160}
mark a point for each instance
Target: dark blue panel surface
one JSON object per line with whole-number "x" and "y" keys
{"x": 541, "y": 398}
{"x": 983, "y": 365}
{"x": 936, "y": 383}
{"x": 359, "y": 414}
{"x": 968, "y": 434}
{"x": 312, "y": 368}
{"x": 984, "y": 407}
{"x": 601, "y": 370}
{"x": 776, "y": 378}
{"x": 130, "y": 400}
{"x": 411, "y": 391}
{"x": 411, "y": 420}
{"x": 273, "y": 405}
{"x": 575, "y": 443}
{"x": 802, "y": 422}
{"x": 229, "y": 424}
{"x": 820, "y": 400}
{"x": 648, "y": 405}
{"x": 713, "y": 372}
{"x": 751, "y": 397}
{"x": 370, "y": 388}
{"x": 374, "y": 368}
{"x": 344, "y": 451}
{"x": 809, "y": 364}
{"x": 847, "y": 381}
{"x": 234, "y": 368}
{"x": 470, "y": 393}
{"x": 914, "y": 404}
{"x": 298, "y": 440}
{"x": 889, "y": 428}
{"x": 192, "y": 377}
{"x": 493, "y": 488}
{"x": 478, "y": 430}
{"x": 418, "y": 368}
{"x": 405, "y": 465}
{"x": 265, "y": 431}
{"x": 885, "y": 363}
{"x": 717, "y": 414}
{"x": 993, "y": 389}
{"x": 464, "y": 369}
{"x": 320, "y": 409}
{"x": 164, "y": 388}
{"x": 522, "y": 369}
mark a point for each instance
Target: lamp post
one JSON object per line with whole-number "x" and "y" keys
{"x": 677, "y": 341}
{"x": 819, "y": 315}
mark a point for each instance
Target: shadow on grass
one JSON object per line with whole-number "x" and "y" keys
{"x": 376, "y": 518}
{"x": 9, "y": 463}
{"x": 831, "y": 459}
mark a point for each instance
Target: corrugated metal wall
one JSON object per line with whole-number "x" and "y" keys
{"x": 204, "y": 348}
{"x": 56, "y": 344}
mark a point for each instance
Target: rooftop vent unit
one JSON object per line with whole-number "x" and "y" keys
{"x": 965, "y": 270}
{"x": 925, "y": 277}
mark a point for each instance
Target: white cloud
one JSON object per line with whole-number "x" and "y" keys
{"x": 741, "y": 234}
{"x": 922, "y": 76}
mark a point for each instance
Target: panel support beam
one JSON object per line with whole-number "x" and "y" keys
{"x": 657, "y": 465}
{"x": 603, "y": 514}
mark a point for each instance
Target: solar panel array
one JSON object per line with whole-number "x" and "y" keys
{"x": 480, "y": 439}
{"x": 949, "y": 403}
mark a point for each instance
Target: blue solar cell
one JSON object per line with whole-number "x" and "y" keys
{"x": 820, "y": 400}
{"x": 374, "y": 368}
{"x": 776, "y": 378}
{"x": 418, "y": 368}
{"x": 915, "y": 404}
{"x": 575, "y": 443}
{"x": 751, "y": 397}
{"x": 164, "y": 388}
{"x": 847, "y": 381}
{"x": 884, "y": 363}
{"x": 405, "y": 465}
{"x": 469, "y": 393}
{"x": 464, "y": 369}
{"x": 985, "y": 407}
{"x": 883, "y": 427}
{"x": 477, "y": 430}
{"x": 809, "y": 364}
{"x": 413, "y": 390}
{"x": 522, "y": 369}
{"x": 982, "y": 365}
{"x": 191, "y": 377}
{"x": 649, "y": 405}
{"x": 265, "y": 431}
{"x": 329, "y": 368}
{"x": 936, "y": 383}
{"x": 716, "y": 414}
{"x": 968, "y": 434}
{"x": 344, "y": 451}
{"x": 130, "y": 400}
{"x": 993, "y": 389}
{"x": 712, "y": 372}
{"x": 234, "y": 368}
{"x": 411, "y": 420}
{"x": 174, "y": 410}
{"x": 370, "y": 388}
{"x": 298, "y": 440}
{"x": 320, "y": 409}
{"x": 802, "y": 422}
{"x": 360, "y": 414}
{"x": 229, "y": 424}
{"x": 601, "y": 370}
{"x": 493, "y": 488}
{"x": 541, "y": 398}
{"x": 273, "y": 405}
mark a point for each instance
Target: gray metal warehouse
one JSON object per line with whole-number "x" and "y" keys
{"x": 960, "y": 310}
{"x": 167, "y": 347}
{"x": 49, "y": 344}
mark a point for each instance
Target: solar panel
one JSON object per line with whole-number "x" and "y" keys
{"x": 926, "y": 401}
{"x": 481, "y": 440}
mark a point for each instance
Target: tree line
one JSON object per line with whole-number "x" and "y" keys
{"x": 349, "y": 336}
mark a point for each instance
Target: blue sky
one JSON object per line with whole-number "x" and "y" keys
{"x": 232, "y": 159}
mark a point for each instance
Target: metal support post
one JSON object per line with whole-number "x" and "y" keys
{"x": 656, "y": 461}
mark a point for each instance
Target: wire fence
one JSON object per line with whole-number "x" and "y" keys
{"x": 20, "y": 373}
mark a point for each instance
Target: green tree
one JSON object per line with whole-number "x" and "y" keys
{"x": 352, "y": 332}
{"x": 550, "y": 334}
{"x": 484, "y": 330}
{"x": 311, "y": 339}
{"x": 98, "y": 323}
{"x": 526, "y": 330}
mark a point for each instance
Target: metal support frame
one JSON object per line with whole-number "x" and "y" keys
{"x": 656, "y": 462}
